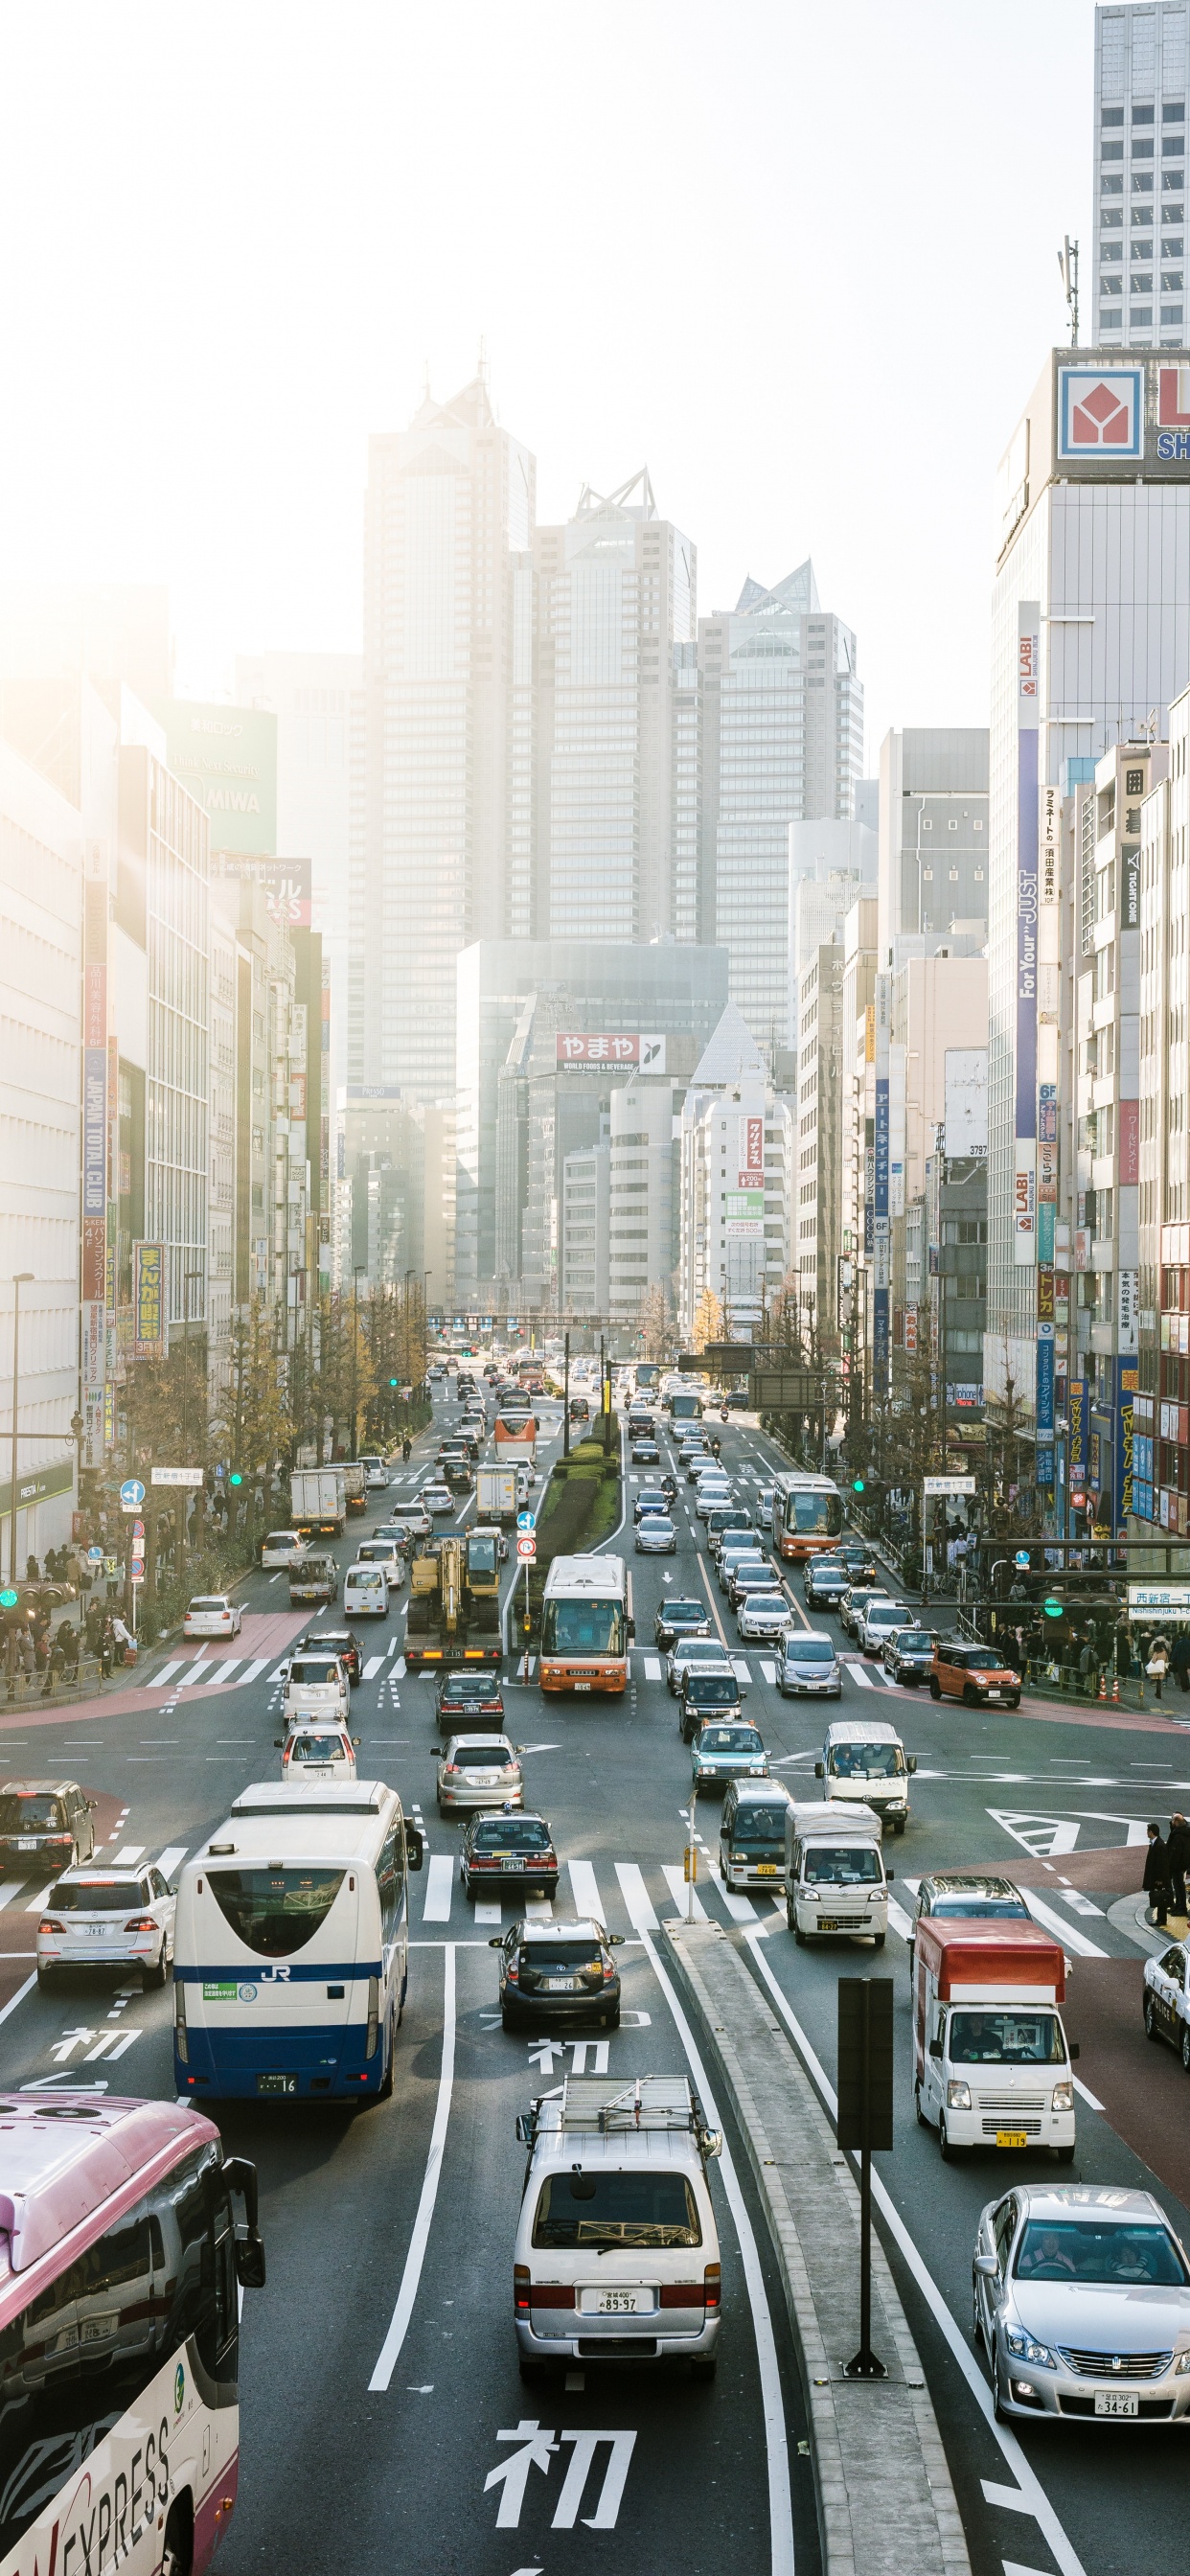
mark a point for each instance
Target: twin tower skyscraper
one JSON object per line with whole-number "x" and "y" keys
{"x": 555, "y": 745}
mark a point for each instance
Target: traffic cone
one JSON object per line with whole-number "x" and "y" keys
{"x": 1115, "y": 1690}
{"x": 1103, "y": 1685}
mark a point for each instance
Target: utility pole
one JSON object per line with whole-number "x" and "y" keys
{"x": 21, "y": 1279}
{"x": 355, "y": 1277}
{"x": 566, "y": 1397}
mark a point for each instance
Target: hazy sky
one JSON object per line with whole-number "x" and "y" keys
{"x": 799, "y": 258}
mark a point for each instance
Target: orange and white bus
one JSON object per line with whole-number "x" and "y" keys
{"x": 808, "y": 1515}
{"x": 120, "y": 2265}
{"x": 586, "y": 1627}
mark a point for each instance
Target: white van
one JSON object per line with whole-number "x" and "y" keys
{"x": 279, "y": 1547}
{"x": 316, "y": 1686}
{"x": 365, "y": 1592}
{"x": 291, "y": 1941}
{"x": 617, "y": 2253}
{"x": 865, "y": 1760}
{"x": 387, "y": 1552}
{"x": 836, "y": 1883}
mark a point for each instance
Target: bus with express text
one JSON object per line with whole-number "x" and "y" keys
{"x": 586, "y": 1627}
{"x": 808, "y": 1515}
{"x": 122, "y": 2255}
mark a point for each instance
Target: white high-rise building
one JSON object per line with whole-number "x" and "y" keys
{"x": 447, "y": 659}
{"x": 782, "y": 742}
{"x": 1141, "y": 72}
{"x": 614, "y": 740}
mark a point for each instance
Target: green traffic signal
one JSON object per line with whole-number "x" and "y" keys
{"x": 1053, "y": 1610}
{"x": 235, "y": 1480}
{"x": 857, "y": 1484}
{"x": 394, "y": 1381}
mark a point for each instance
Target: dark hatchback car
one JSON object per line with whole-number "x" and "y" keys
{"x": 645, "y": 1452}
{"x": 681, "y": 1619}
{"x": 858, "y": 1559}
{"x": 465, "y": 1692}
{"x": 824, "y": 1582}
{"x": 559, "y": 1972}
{"x": 706, "y": 1696}
{"x": 909, "y": 1654}
{"x": 342, "y": 1642}
{"x": 44, "y": 1825}
{"x": 457, "y": 1476}
{"x": 510, "y": 1845}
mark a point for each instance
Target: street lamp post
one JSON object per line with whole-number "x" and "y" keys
{"x": 357, "y": 1267}
{"x": 21, "y": 1279}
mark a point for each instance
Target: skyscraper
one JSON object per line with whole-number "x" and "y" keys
{"x": 782, "y": 742}
{"x": 614, "y": 750}
{"x": 447, "y": 643}
{"x": 1141, "y": 73}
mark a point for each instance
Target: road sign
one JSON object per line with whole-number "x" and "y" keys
{"x": 176, "y": 1475}
{"x": 138, "y": 1535}
{"x": 95, "y": 1556}
{"x": 948, "y": 1485}
{"x": 1023, "y": 1558}
{"x": 526, "y": 1520}
{"x": 132, "y": 1493}
{"x": 526, "y": 1547}
{"x": 137, "y": 1569}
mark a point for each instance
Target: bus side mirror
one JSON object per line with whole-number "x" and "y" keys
{"x": 911, "y": 1762}
{"x": 250, "y": 2265}
{"x": 278, "y": 1741}
{"x": 414, "y": 1846}
{"x": 820, "y": 1770}
{"x": 935, "y": 2048}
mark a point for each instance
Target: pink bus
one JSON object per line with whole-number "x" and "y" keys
{"x": 120, "y": 2264}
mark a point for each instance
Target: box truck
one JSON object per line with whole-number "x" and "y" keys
{"x": 355, "y": 1484}
{"x": 991, "y": 2060}
{"x": 496, "y": 1496}
{"x": 317, "y": 1500}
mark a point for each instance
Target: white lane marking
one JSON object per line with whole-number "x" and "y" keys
{"x": 1030, "y": 2485}
{"x": 1138, "y": 1831}
{"x": 1062, "y": 1931}
{"x": 768, "y": 1671}
{"x": 741, "y": 1668}
{"x": 1043, "y": 1837}
{"x": 1078, "y": 1903}
{"x": 1014, "y": 2567}
{"x": 681, "y": 1893}
{"x": 223, "y": 1670}
{"x": 1010, "y": 2498}
{"x": 740, "y": 1908}
{"x": 1091, "y": 2099}
{"x": 899, "y": 1920}
{"x": 392, "y": 1645}
{"x": 176, "y": 1666}
{"x": 584, "y": 1887}
{"x": 372, "y": 1667}
{"x": 171, "y": 1860}
{"x": 21, "y": 1992}
{"x": 11, "y": 1887}
{"x": 636, "y": 1896}
{"x": 489, "y": 1914}
{"x": 128, "y": 1857}
{"x": 781, "y": 2558}
{"x": 411, "y": 2276}
{"x": 652, "y": 1665}
{"x": 35, "y": 1903}
{"x": 439, "y": 1890}
{"x": 398, "y": 1664}
{"x": 194, "y": 1672}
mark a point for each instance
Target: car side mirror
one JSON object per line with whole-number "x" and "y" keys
{"x": 935, "y": 2048}
{"x": 497, "y": 1941}
{"x": 355, "y": 1739}
{"x": 820, "y": 1770}
{"x": 616, "y": 1940}
{"x": 278, "y": 1741}
{"x": 520, "y": 1748}
{"x": 987, "y": 2267}
{"x": 1074, "y": 2048}
{"x": 93, "y": 1804}
{"x": 888, "y": 1877}
{"x": 911, "y": 1762}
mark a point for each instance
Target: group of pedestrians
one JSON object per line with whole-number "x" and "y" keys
{"x": 1167, "y": 1870}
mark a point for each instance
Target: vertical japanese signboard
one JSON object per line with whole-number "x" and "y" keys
{"x": 1028, "y": 711}
{"x": 148, "y": 1301}
{"x": 94, "y": 1154}
{"x": 880, "y": 1225}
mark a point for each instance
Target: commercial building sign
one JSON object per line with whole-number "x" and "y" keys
{"x": 1024, "y": 1196}
{"x": 287, "y": 885}
{"x": 1049, "y": 834}
{"x": 226, "y": 758}
{"x": 738, "y": 1203}
{"x": 752, "y": 1153}
{"x": 647, "y": 1052}
{"x": 1101, "y": 412}
{"x": 148, "y": 1301}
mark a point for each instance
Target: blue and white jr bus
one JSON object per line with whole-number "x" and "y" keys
{"x": 291, "y": 1945}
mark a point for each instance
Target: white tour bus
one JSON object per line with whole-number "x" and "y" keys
{"x": 119, "y": 2334}
{"x": 586, "y": 1625}
{"x": 291, "y": 1945}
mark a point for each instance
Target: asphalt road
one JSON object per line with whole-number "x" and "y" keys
{"x": 715, "y": 2474}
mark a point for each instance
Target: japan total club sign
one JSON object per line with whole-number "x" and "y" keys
{"x": 616, "y": 1048}
{"x": 1101, "y": 412}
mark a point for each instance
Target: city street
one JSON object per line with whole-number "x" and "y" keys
{"x": 387, "y": 2316}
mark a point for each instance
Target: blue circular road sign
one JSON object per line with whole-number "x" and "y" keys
{"x": 526, "y": 1520}
{"x": 132, "y": 1490}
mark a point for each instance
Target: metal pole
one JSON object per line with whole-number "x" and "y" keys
{"x": 19, "y": 1279}
{"x": 566, "y": 1397}
{"x": 690, "y": 1865}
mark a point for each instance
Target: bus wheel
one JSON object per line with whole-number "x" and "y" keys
{"x": 177, "y": 2557}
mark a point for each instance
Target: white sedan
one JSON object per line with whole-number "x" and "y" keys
{"x": 108, "y": 1918}
{"x": 763, "y": 1615}
{"x": 211, "y": 1614}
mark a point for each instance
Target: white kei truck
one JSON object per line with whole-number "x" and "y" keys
{"x": 836, "y": 1880}
{"x": 991, "y": 2060}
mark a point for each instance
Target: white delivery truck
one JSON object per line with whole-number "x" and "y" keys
{"x": 318, "y": 1500}
{"x": 836, "y": 1884}
{"x": 863, "y": 1759}
{"x": 991, "y": 2061}
{"x": 496, "y": 1495}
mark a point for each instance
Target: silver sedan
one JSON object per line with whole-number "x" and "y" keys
{"x": 480, "y": 1771}
{"x": 1082, "y": 2303}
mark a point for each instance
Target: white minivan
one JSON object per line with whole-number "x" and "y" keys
{"x": 365, "y": 1592}
{"x": 836, "y": 1884}
{"x": 863, "y": 1759}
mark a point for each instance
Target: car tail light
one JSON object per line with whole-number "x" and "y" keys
{"x": 47, "y": 1924}
{"x": 681, "y": 2294}
{"x": 450, "y": 1770}
{"x": 520, "y": 2289}
{"x": 552, "y": 2294}
{"x": 512, "y": 1973}
{"x": 608, "y": 1970}
{"x": 710, "y": 2285}
{"x": 140, "y": 1923}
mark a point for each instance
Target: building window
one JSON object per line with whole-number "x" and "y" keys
{"x": 1142, "y": 183}
{"x": 1113, "y": 152}
{"x": 1142, "y": 285}
{"x": 1171, "y": 312}
{"x": 1139, "y": 314}
{"x": 1174, "y": 111}
{"x": 1172, "y": 246}
{"x": 1112, "y": 116}
{"x": 1142, "y": 116}
{"x": 978, "y": 824}
{"x": 1111, "y": 186}
{"x": 1111, "y": 218}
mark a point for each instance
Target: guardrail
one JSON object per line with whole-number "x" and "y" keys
{"x": 84, "y": 1683}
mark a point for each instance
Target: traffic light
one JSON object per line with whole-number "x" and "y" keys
{"x": 235, "y": 1478}
{"x": 1054, "y": 1610}
{"x": 857, "y": 1484}
{"x": 394, "y": 1381}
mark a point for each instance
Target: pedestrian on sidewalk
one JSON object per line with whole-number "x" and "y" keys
{"x": 1123, "y": 1647}
{"x": 1177, "y": 1862}
{"x": 1156, "y": 1878}
{"x": 1158, "y": 1663}
{"x": 1179, "y": 1658}
{"x": 1088, "y": 1666}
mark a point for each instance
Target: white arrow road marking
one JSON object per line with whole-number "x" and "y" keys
{"x": 611, "y": 2494}
{"x": 1043, "y": 1837}
{"x": 541, "y": 1748}
{"x": 512, "y": 2474}
{"x": 391, "y": 2347}
{"x": 1009, "y": 2497}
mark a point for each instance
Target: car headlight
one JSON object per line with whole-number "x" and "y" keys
{"x": 1022, "y": 2348}
{"x": 1181, "y": 2368}
{"x": 1063, "y": 2097}
{"x": 958, "y": 2097}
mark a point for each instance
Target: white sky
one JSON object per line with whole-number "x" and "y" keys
{"x": 799, "y": 258}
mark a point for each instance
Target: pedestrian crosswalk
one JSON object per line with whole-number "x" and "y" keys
{"x": 651, "y": 1668}
{"x": 187, "y": 1671}
{"x": 634, "y": 1896}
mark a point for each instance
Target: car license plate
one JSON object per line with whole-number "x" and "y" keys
{"x": 766, "y": 1869}
{"x": 828, "y": 1923}
{"x": 993, "y": 1695}
{"x": 616, "y": 2303}
{"x": 582, "y": 1686}
{"x": 560, "y": 1985}
{"x": 276, "y": 2084}
{"x": 1115, "y": 2401}
{"x": 1011, "y": 2138}
{"x": 24, "y": 1845}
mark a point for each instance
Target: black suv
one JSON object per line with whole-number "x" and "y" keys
{"x": 510, "y": 1845}
{"x": 681, "y": 1619}
{"x": 703, "y": 1696}
{"x": 468, "y": 1692}
{"x": 342, "y": 1642}
{"x": 45, "y": 1824}
{"x": 559, "y": 1972}
{"x": 825, "y": 1581}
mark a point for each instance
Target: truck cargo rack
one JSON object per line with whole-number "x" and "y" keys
{"x": 601, "y": 2106}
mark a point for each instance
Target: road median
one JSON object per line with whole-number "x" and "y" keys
{"x": 885, "y": 2498}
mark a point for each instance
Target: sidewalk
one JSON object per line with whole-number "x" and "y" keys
{"x": 885, "y": 2500}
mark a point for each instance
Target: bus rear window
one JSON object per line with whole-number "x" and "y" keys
{"x": 275, "y": 1911}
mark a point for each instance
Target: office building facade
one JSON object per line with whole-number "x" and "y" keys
{"x": 933, "y": 856}
{"x": 1142, "y": 93}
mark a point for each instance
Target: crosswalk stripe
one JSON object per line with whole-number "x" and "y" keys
{"x": 35, "y": 1903}
{"x": 374, "y": 1665}
{"x": 680, "y": 1892}
{"x": 251, "y": 1670}
{"x": 222, "y": 1671}
{"x": 652, "y": 1665}
{"x": 740, "y": 1908}
{"x": 194, "y": 1672}
{"x": 539, "y": 1909}
{"x": 488, "y": 1914}
{"x": 768, "y": 1670}
{"x": 279, "y": 1670}
{"x": 584, "y": 1888}
{"x": 741, "y": 1668}
{"x": 636, "y": 1896}
{"x": 1062, "y": 1931}
{"x": 9, "y": 1888}
{"x": 439, "y": 1889}
{"x": 166, "y": 1673}
{"x": 128, "y": 1857}
{"x": 859, "y": 1675}
{"x": 172, "y": 1859}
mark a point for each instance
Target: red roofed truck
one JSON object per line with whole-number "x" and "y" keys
{"x": 991, "y": 2061}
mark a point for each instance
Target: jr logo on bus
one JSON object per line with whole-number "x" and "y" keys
{"x": 179, "y": 2388}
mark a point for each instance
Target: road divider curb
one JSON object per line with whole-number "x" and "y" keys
{"x": 883, "y": 2487}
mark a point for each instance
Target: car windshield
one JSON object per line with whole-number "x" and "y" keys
{"x": 730, "y": 1739}
{"x": 480, "y": 1757}
{"x": 912, "y": 1641}
{"x": 866, "y": 1761}
{"x": 208, "y": 1602}
{"x": 677, "y": 1611}
{"x": 1006, "y": 2039}
{"x": 29, "y": 1815}
{"x": 690, "y": 1652}
{"x": 582, "y": 1628}
{"x": 881, "y": 1614}
{"x": 97, "y": 1895}
{"x": 651, "y": 1499}
{"x": 308, "y": 1669}
{"x": 759, "y": 1829}
{"x": 275, "y": 1911}
{"x": 467, "y": 1688}
{"x": 809, "y": 1650}
{"x": 979, "y": 1909}
{"x": 511, "y": 1833}
{"x": 827, "y": 1866}
{"x": 1083, "y": 2249}
{"x": 317, "y": 1748}
{"x": 982, "y": 1659}
{"x": 655, "y": 1525}
{"x": 645, "y": 2209}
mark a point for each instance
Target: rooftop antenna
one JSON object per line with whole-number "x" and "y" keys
{"x": 1068, "y": 271}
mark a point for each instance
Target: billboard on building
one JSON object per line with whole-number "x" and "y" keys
{"x": 580, "y": 1047}
{"x": 148, "y": 1301}
{"x": 286, "y": 884}
{"x": 1024, "y": 1199}
{"x": 966, "y": 1101}
{"x": 226, "y": 758}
